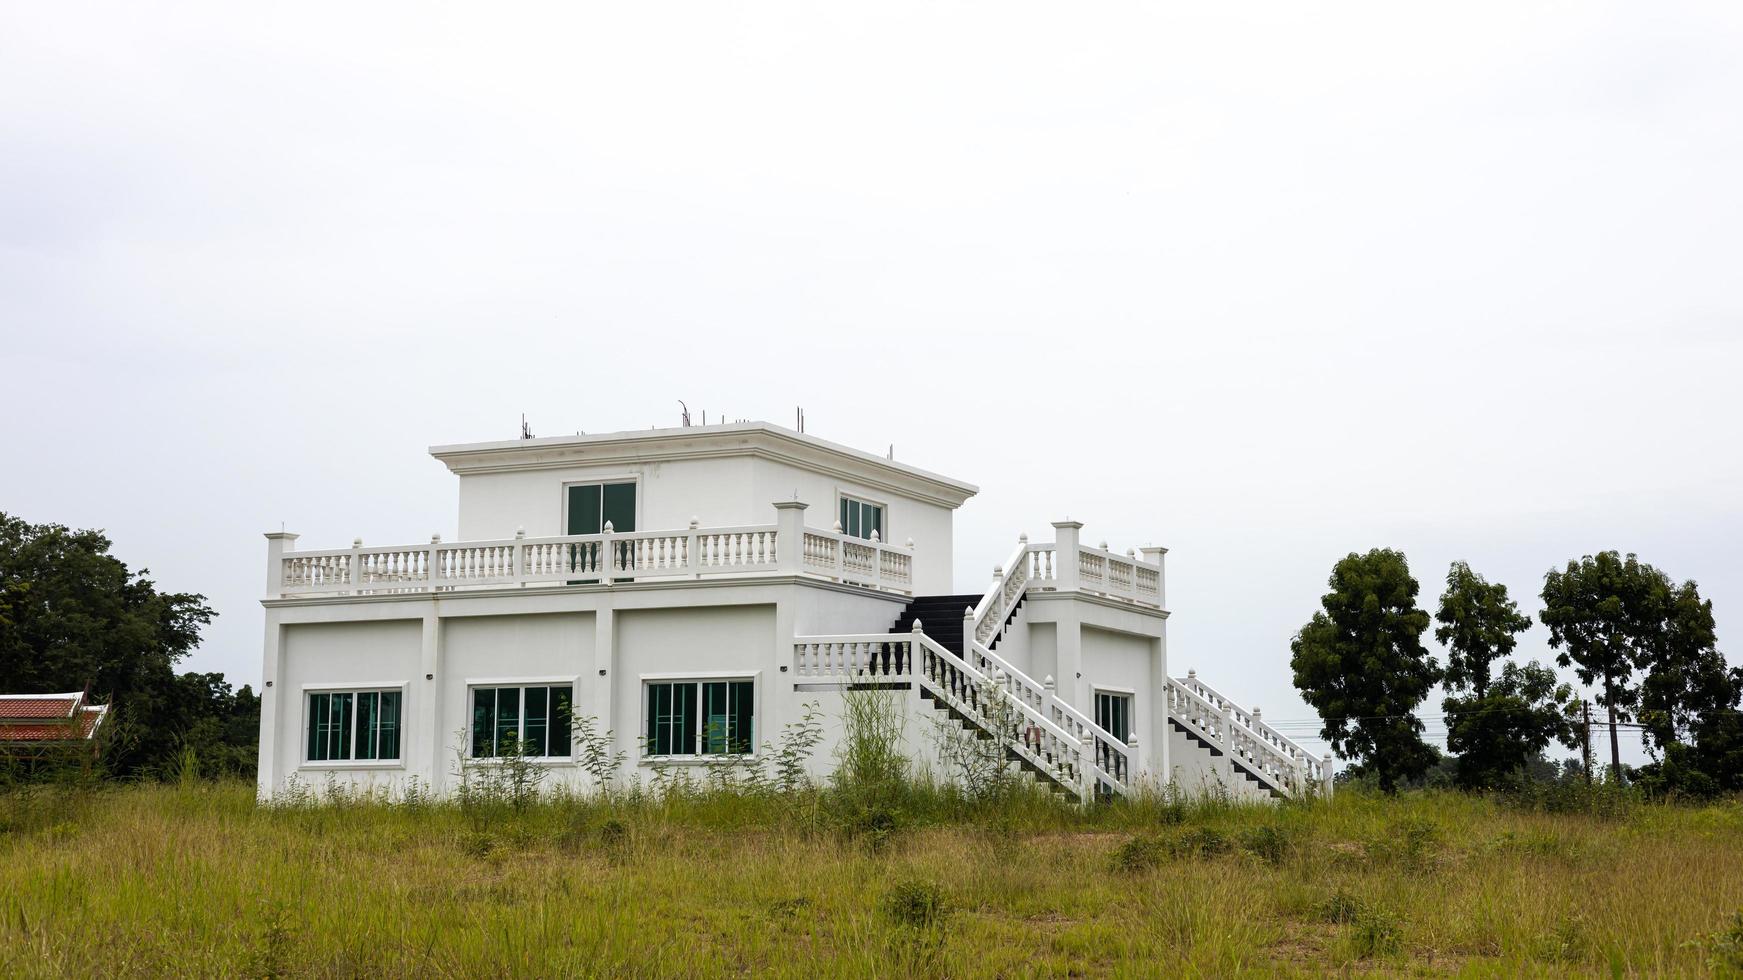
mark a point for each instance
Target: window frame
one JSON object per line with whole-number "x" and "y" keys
{"x": 1128, "y": 695}
{"x": 573, "y": 683}
{"x": 306, "y": 694}
{"x": 563, "y": 498}
{"x": 697, "y": 680}
{"x": 843, "y": 497}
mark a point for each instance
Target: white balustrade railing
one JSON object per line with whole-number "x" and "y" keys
{"x": 1119, "y": 576}
{"x": 853, "y": 658}
{"x": 1245, "y": 736}
{"x": 1003, "y": 704}
{"x": 591, "y": 558}
{"x": 846, "y": 558}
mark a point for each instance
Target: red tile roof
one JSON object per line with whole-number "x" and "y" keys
{"x": 48, "y": 718}
{"x": 14, "y": 706}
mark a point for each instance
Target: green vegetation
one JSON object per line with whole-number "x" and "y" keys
{"x": 194, "y": 879}
{"x": 1361, "y": 664}
{"x": 75, "y": 618}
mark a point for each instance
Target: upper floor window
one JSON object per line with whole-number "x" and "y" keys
{"x": 860, "y": 518}
{"x": 591, "y": 506}
{"x": 347, "y": 726}
{"x": 701, "y": 717}
{"x": 524, "y": 721}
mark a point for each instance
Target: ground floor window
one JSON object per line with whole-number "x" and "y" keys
{"x": 701, "y": 717}
{"x": 1113, "y": 712}
{"x": 346, "y": 726}
{"x": 525, "y": 721}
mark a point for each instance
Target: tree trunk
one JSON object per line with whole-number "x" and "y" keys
{"x": 1615, "y": 748}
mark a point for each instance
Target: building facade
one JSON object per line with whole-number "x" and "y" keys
{"x": 695, "y": 590}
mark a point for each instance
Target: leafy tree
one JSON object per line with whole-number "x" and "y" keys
{"x": 1479, "y": 624}
{"x": 1360, "y": 662}
{"x": 74, "y": 618}
{"x": 1497, "y": 734}
{"x": 1689, "y": 699}
{"x": 1604, "y": 613}
{"x": 1494, "y": 732}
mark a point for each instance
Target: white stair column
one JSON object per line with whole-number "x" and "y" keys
{"x": 789, "y": 539}
{"x": 1065, "y": 559}
{"x": 1157, "y": 555}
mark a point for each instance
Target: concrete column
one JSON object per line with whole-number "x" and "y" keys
{"x": 776, "y": 704}
{"x": 1157, "y": 555}
{"x": 1065, "y": 535}
{"x": 277, "y": 544}
{"x": 268, "y": 776}
{"x": 1156, "y": 759}
{"x": 1068, "y": 636}
{"x": 600, "y": 678}
{"x": 790, "y": 535}
{"x": 426, "y": 692}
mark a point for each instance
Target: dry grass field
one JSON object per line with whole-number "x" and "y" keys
{"x": 196, "y": 880}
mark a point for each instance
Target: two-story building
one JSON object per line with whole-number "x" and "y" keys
{"x": 692, "y": 590}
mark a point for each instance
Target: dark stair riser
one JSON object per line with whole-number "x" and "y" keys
{"x": 1248, "y": 774}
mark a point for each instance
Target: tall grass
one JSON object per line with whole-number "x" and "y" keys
{"x": 195, "y": 879}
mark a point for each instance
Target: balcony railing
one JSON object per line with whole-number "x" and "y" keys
{"x": 786, "y": 547}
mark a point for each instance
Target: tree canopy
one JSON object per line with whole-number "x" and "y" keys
{"x": 1479, "y": 624}
{"x": 75, "y": 618}
{"x": 1361, "y": 664}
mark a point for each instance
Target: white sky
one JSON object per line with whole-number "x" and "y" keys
{"x": 1266, "y": 285}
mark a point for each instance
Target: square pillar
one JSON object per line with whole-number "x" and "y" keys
{"x": 1065, "y": 560}
{"x": 790, "y": 536}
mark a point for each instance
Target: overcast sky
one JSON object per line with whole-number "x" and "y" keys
{"x": 1263, "y": 283}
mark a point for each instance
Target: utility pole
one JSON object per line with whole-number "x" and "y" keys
{"x": 1615, "y": 750}
{"x": 1586, "y": 739}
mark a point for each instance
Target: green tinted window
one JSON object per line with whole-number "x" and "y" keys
{"x": 701, "y": 718}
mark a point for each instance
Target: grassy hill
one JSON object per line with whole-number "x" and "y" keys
{"x": 196, "y": 880}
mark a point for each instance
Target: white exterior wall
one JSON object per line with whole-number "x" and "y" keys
{"x": 348, "y": 656}
{"x": 720, "y": 492}
{"x": 929, "y": 525}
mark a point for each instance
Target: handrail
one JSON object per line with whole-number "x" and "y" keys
{"x": 1076, "y": 768}
{"x": 607, "y": 557}
{"x": 1290, "y": 762}
{"x": 875, "y": 657}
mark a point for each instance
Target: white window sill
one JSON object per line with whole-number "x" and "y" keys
{"x": 694, "y": 760}
{"x": 549, "y": 762}
{"x": 343, "y": 764}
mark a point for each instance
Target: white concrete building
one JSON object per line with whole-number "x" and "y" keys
{"x": 691, "y": 590}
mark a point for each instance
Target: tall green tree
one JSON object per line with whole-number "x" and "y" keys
{"x": 1495, "y": 733}
{"x": 1499, "y": 733}
{"x": 1360, "y": 662}
{"x": 1479, "y": 624}
{"x": 1689, "y": 697}
{"x": 1604, "y": 613}
{"x": 75, "y": 618}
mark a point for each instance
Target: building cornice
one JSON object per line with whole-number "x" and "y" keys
{"x": 758, "y": 440}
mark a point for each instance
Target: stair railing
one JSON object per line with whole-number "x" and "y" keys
{"x": 993, "y": 613}
{"x": 1047, "y": 746}
{"x": 1279, "y": 757}
{"x": 988, "y": 620}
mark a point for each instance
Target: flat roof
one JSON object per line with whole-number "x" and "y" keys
{"x": 733, "y": 438}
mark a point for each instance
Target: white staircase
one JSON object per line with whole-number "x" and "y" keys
{"x": 1041, "y": 732}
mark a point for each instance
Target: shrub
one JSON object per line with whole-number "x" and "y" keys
{"x": 1376, "y": 933}
{"x": 1342, "y": 908}
{"x": 916, "y": 904}
{"x": 1201, "y": 842}
{"x": 1269, "y": 842}
{"x": 1725, "y": 948}
{"x": 1138, "y": 854}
